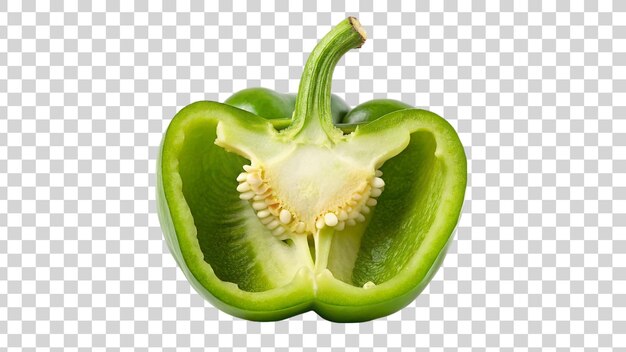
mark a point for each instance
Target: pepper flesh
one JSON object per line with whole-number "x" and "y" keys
{"x": 362, "y": 271}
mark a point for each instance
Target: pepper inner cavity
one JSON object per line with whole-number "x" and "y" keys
{"x": 285, "y": 220}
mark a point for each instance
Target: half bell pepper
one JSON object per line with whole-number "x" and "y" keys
{"x": 276, "y": 204}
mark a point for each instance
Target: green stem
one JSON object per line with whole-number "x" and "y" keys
{"x": 312, "y": 118}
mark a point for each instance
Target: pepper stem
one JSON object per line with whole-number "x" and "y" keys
{"x": 312, "y": 116}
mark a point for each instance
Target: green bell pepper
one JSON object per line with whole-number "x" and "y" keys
{"x": 275, "y": 205}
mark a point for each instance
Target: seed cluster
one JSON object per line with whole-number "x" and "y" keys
{"x": 281, "y": 221}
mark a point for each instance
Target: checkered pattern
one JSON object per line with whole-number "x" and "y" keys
{"x": 537, "y": 92}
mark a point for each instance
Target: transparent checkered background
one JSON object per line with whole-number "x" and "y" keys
{"x": 537, "y": 92}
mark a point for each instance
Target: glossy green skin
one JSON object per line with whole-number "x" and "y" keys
{"x": 273, "y": 105}
{"x": 278, "y": 107}
{"x": 372, "y": 110}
